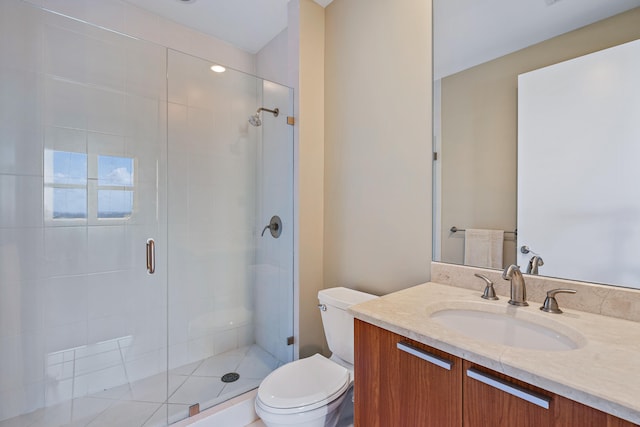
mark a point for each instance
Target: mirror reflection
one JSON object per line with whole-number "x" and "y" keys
{"x": 476, "y": 118}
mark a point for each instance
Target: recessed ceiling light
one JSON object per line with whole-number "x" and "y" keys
{"x": 218, "y": 68}
{"x": 187, "y": 1}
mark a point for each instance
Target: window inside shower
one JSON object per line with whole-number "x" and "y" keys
{"x": 67, "y": 192}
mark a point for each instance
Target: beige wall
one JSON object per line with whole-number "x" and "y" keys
{"x": 479, "y": 130}
{"x": 306, "y": 44}
{"x": 377, "y": 156}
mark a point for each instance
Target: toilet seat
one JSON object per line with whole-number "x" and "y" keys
{"x": 303, "y": 385}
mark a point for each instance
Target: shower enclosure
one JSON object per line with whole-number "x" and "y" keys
{"x": 134, "y": 279}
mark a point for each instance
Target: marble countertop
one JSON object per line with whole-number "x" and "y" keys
{"x": 604, "y": 372}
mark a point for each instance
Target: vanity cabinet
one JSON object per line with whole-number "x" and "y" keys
{"x": 400, "y": 382}
{"x": 397, "y": 387}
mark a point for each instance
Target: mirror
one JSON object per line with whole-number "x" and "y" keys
{"x": 476, "y": 68}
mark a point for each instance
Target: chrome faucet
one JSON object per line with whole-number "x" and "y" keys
{"x": 518, "y": 289}
{"x": 534, "y": 263}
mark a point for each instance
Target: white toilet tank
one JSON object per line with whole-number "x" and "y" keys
{"x": 337, "y": 322}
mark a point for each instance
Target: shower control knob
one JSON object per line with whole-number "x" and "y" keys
{"x": 274, "y": 226}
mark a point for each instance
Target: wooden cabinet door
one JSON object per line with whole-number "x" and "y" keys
{"x": 493, "y": 399}
{"x": 400, "y": 382}
{"x": 573, "y": 414}
{"x": 486, "y": 403}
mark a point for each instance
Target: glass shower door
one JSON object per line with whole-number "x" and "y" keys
{"x": 230, "y": 286}
{"x": 82, "y": 189}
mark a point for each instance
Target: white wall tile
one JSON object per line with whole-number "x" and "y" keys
{"x": 201, "y": 348}
{"x": 146, "y": 70}
{"x": 21, "y": 307}
{"x": 64, "y": 53}
{"x": 21, "y": 149}
{"x": 109, "y": 296}
{"x": 21, "y": 101}
{"x": 272, "y": 60}
{"x": 106, "y": 111}
{"x": 63, "y": 139}
{"x": 66, "y": 301}
{"x": 65, "y": 251}
{"x": 246, "y": 335}
{"x": 144, "y": 124}
{"x": 22, "y": 356}
{"x": 178, "y": 355}
{"x": 108, "y": 327}
{"x": 105, "y": 60}
{"x": 21, "y": 201}
{"x": 21, "y": 254}
{"x": 65, "y": 104}
{"x": 107, "y": 251}
{"x": 20, "y": 36}
{"x": 101, "y": 144}
{"x": 224, "y": 341}
{"x": 65, "y": 337}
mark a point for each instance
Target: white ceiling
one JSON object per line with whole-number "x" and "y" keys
{"x": 246, "y": 24}
{"x": 466, "y": 32}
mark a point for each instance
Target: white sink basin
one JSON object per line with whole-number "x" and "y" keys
{"x": 510, "y": 327}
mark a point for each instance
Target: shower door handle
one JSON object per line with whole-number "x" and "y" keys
{"x": 151, "y": 256}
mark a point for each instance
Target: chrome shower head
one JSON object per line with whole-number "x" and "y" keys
{"x": 255, "y": 120}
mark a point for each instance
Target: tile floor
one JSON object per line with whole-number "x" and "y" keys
{"x": 144, "y": 404}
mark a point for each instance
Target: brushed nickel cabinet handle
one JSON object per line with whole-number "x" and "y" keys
{"x": 425, "y": 355}
{"x": 512, "y": 389}
{"x": 151, "y": 256}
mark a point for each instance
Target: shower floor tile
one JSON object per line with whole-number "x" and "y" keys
{"x": 143, "y": 402}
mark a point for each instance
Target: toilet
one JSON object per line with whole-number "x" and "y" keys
{"x": 310, "y": 392}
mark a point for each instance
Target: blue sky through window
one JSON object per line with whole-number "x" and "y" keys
{"x": 69, "y": 203}
{"x": 70, "y": 190}
{"x": 117, "y": 171}
{"x": 70, "y": 170}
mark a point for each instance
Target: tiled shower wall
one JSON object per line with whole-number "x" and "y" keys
{"x": 79, "y": 314}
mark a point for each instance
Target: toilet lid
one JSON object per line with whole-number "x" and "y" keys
{"x": 305, "y": 384}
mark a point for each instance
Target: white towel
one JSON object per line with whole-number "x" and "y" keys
{"x": 483, "y": 248}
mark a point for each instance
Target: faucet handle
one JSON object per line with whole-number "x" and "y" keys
{"x": 489, "y": 292}
{"x": 550, "y": 304}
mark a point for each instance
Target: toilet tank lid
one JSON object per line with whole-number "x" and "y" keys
{"x": 342, "y": 297}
